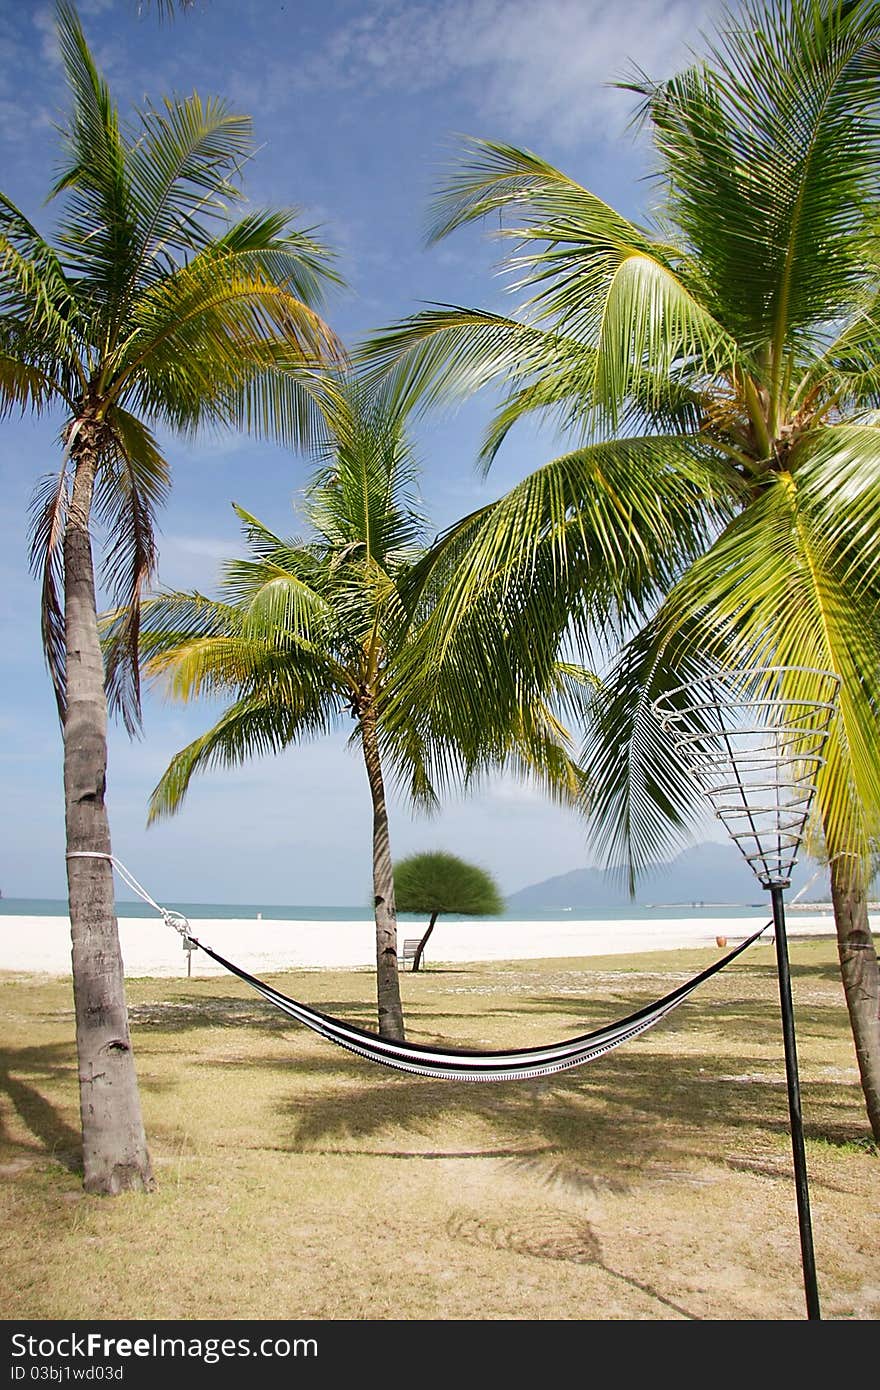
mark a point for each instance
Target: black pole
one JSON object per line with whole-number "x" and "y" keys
{"x": 808, "y": 1259}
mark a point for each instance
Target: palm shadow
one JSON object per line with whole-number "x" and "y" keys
{"x": 54, "y": 1136}
{"x": 554, "y": 1237}
{"x": 617, "y": 1116}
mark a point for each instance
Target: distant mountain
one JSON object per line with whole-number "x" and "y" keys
{"x": 707, "y": 873}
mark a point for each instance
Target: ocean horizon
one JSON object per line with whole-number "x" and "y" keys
{"x": 57, "y": 907}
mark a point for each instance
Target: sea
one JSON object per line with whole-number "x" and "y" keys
{"x": 56, "y": 907}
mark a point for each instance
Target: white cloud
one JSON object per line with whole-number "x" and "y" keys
{"x": 193, "y": 561}
{"x": 514, "y": 791}
{"x": 108, "y": 54}
{"x": 541, "y": 65}
{"x": 44, "y": 23}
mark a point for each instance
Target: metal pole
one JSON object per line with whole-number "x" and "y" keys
{"x": 794, "y": 1105}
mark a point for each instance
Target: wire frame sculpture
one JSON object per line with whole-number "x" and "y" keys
{"x": 755, "y": 740}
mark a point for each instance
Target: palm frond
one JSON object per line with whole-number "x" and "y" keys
{"x": 174, "y": 618}
{"x": 363, "y": 500}
{"x": 267, "y": 242}
{"x": 281, "y": 397}
{"x": 132, "y": 483}
{"x": 768, "y": 154}
{"x": 446, "y": 352}
{"x": 23, "y": 386}
{"x": 217, "y": 342}
{"x": 491, "y": 177}
{"x": 844, "y": 377}
{"x": 651, "y": 333}
{"x": 98, "y": 231}
{"x": 575, "y": 689}
{"x": 780, "y": 587}
{"x": 252, "y": 727}
{"x": 591, "y": 273}
{"x": 197, "y": 646}
{"x": 37, "y": 300}
{"x": 643, "y": 799}
{"x": 184, "y": 173}
{"x": 604, "y": 529}
{"x": 48, "y": 512}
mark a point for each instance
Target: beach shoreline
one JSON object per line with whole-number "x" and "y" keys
{"x": 41, "y": 945}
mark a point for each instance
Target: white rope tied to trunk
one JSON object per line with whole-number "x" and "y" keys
{"x": 169, "y": 916}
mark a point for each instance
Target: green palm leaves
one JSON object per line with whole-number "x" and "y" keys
{"x": 311, "y": 632}
{"x": 774, "y": 140}
{"x": 730, "y": 346}
{"x": 154, "y": 308}
{"x": 793, "y": 581}
{"x": 610, "y": 326}
{"x": 343, "y": 625}
{"x": 718, "y": 369}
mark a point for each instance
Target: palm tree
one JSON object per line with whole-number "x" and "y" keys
{"x": 729, "y": 346}
{"x": 152, "y": 309}
{"x": 440, "y": 883}
{"x": 312, "y": 632}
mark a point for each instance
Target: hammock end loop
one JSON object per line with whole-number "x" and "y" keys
{"x": 175, "y": 920}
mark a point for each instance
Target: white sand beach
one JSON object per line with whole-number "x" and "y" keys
{"x": 149, "y": 948}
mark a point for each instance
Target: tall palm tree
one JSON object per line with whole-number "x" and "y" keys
{"x": 151, "y": 309}
{"x": 732, "y": 343}
{"x": 328, "y": 629}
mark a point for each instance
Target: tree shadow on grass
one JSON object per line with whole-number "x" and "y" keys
{"x": 734, "y": 1020}
{"x": 608, "y": 1123}
{"x": 614, "y": 1116}
{"x": 659, "y": 1087}
{"x": 55, "y": 1137}
{"x": 554, "y": 1237}
{"x": 543, "y": 1122}
{"x": 209, "y": 1011}
{"x": 248, "y": 1013}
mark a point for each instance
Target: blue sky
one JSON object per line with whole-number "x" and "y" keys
{"x": 355, "y": 104}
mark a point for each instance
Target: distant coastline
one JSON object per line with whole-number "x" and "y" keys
{"x": 280, "y": 912}
{"x": 41, "y": 944}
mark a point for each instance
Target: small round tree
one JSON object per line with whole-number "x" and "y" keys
{"x": 437, "y": 883}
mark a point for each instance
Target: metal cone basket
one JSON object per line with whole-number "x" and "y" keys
{"x": 755, "y": 740}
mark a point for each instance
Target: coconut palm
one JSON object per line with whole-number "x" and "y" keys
{"x": 310, "y": 633}
{"x": 438, "y": 883}
{"x": 731, "y": 342}
{"x": 151, "y": 309}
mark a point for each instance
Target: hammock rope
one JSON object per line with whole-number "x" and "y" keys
{"x": 445, "y": 1063}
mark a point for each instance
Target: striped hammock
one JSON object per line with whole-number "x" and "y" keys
{"x": 452, "y": 1064}
{"x": 443, "y": 1063}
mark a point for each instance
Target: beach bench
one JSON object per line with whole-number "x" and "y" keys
{"x": 410, "y": 946}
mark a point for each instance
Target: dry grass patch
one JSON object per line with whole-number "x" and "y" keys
{"x": 299, "y": 1181}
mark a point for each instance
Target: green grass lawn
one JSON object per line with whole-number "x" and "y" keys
{"x": 296, "y": 1180}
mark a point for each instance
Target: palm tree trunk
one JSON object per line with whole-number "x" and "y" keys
{"x": 115, "y": 1157}
{"x": 861, "y": 975}
{"x": 387, "y": 978}
{"x": 420, "y": 949}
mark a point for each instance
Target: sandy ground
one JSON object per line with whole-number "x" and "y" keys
{"x": 151, "y": 948}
